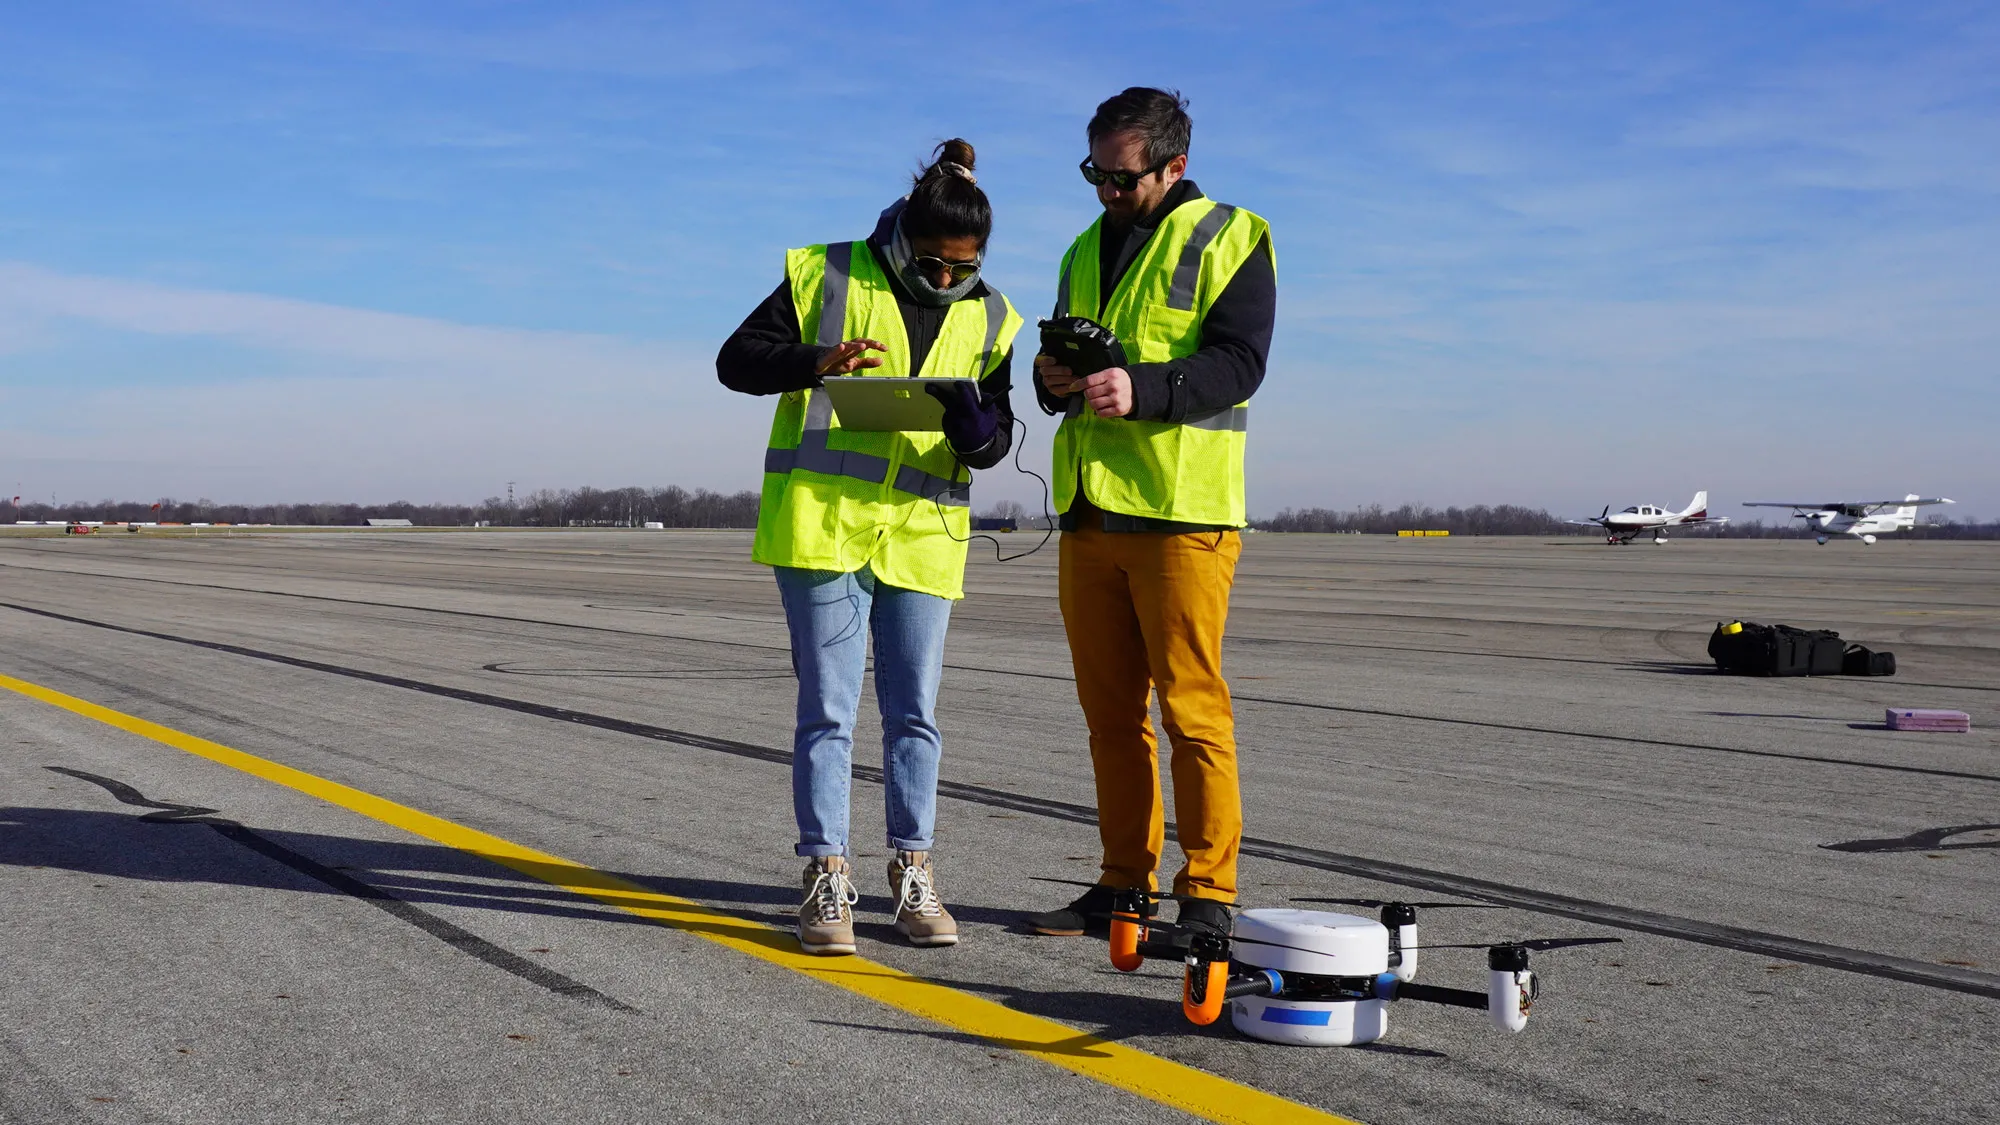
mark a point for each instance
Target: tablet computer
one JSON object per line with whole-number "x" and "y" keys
{"x": 876, "y": 402}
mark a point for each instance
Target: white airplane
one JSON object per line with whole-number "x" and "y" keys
{"x": 1857, "y": 518}
{"x": 1623, "y": 527}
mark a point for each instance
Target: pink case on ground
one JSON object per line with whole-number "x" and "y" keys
{"x": 1917, "y": 719}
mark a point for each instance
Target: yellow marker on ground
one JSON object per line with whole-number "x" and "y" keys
{"x": 1168, "y": 1083}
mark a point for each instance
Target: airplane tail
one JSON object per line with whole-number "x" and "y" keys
{"x": 1697, "y": 508}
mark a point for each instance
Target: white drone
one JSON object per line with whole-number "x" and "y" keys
{"x": 1859, "y": 519}
{"x": 1317, "y": 978}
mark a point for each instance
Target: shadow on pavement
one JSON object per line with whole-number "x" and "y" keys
{"x": 1659, "y": 668}
{"x": 126, "y": 846}
{"x": 1078, "y": 1047}
{"x": 188, "y": 851}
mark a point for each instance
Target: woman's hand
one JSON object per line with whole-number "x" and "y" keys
{"x": 970, "y": 416}
{"x": 847, "y": 358}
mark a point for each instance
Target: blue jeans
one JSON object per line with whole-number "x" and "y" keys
{"x": 831, "y": 616}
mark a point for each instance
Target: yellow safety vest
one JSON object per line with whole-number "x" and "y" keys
{"x": 1189, "y": 471}
{"x": 897, "y": 502}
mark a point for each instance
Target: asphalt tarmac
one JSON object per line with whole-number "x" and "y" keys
{"x": 1808, "y": 903}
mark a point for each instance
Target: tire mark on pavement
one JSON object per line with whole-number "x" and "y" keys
{"x": 1237, "y": 640}
{"x": 1629, "y": 739}
{"x": 1376, "y": 712}
{"x": 1734, "y": 938}
{"x": 1106, "y": 1060}
{"x": 459, "y": 938}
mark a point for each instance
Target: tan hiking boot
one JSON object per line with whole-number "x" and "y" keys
{"x": 826, "y": 917}
{"x": 919, "y": 915}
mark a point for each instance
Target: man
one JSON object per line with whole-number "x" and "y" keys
{"x": 1149, "y": 481}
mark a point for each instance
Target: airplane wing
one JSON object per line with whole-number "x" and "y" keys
{"x": 1851, "y": 507}
{"x": 1913, "y": 502}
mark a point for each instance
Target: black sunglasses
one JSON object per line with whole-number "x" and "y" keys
{"x": 1123, "y": 181}
{"x": 931, "y": 264}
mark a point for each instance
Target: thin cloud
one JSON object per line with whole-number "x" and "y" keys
{"x": 388, "y": 406}
{"x": 30, "y": 294}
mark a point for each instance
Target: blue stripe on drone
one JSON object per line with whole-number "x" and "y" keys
{"x": 1302, "y": 1017}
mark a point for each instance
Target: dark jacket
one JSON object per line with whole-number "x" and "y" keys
{"x": 1227, "y": 368}
{"x": 764, "y": 356}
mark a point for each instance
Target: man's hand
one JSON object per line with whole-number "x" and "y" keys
{"x": 1060, "y": 381}
{"x": 847, "y": 358}
{"x": 1109, "y": 392}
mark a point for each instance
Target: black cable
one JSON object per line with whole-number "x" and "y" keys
{"x": 1047, "y": 516}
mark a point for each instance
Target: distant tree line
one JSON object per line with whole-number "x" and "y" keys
{"x": 673, "y": 506}
{"x": 1512, "y": 519}
{"x": 1480, "y": 519}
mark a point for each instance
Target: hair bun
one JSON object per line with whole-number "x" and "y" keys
{"x": 954, "y": 157}
{"x": 955, "y": 151}
{"x": 945, "y": 199}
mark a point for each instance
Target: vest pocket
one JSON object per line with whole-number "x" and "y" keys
{"x": 1167, "y": 334}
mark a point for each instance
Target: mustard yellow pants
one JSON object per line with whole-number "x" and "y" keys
{"x": 1146, "y": 610}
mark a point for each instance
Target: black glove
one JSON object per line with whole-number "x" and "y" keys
{"x": 970, "y": 416}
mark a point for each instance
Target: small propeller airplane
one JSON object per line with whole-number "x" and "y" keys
{"x": 1623, "y": 527}
{"x": 1858, "y": 519}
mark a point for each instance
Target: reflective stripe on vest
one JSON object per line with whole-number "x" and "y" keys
{"x": 833, "y": 304}
{"x": 1190, "y": 471}
{"x": 836, "y": 499}
{"x": 833, "y": 308}
{"x": 1187, "y": 270}
{"x": 812, "y": 453}
{"x": 814, "y": 456}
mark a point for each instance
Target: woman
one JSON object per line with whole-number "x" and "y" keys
{"x": 867, "y": 530}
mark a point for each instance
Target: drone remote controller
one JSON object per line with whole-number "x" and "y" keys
{"x": 1081, "y": 344}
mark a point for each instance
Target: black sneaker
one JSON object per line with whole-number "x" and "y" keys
{"x": 1206, "y": 914}
{"x": 1091, "y": 912}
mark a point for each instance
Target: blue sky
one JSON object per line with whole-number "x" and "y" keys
{"x": 1546, "y": 253}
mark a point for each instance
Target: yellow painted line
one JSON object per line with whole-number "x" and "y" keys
{"x": 1168, "y": 1083}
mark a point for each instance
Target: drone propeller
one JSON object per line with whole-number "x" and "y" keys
{"x": 1155, "y": 896}
{"x": 1378, "y": 903}
{"x": 1273, "y": 944}
{"x": 1534, "y": 944}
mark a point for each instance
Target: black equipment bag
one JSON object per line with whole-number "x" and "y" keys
{"x": 1775, "y": 650}
{"x": 1828, "y": 651}
{"x": 1858, "y": 661}
{"x": 1750, "y": 650}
